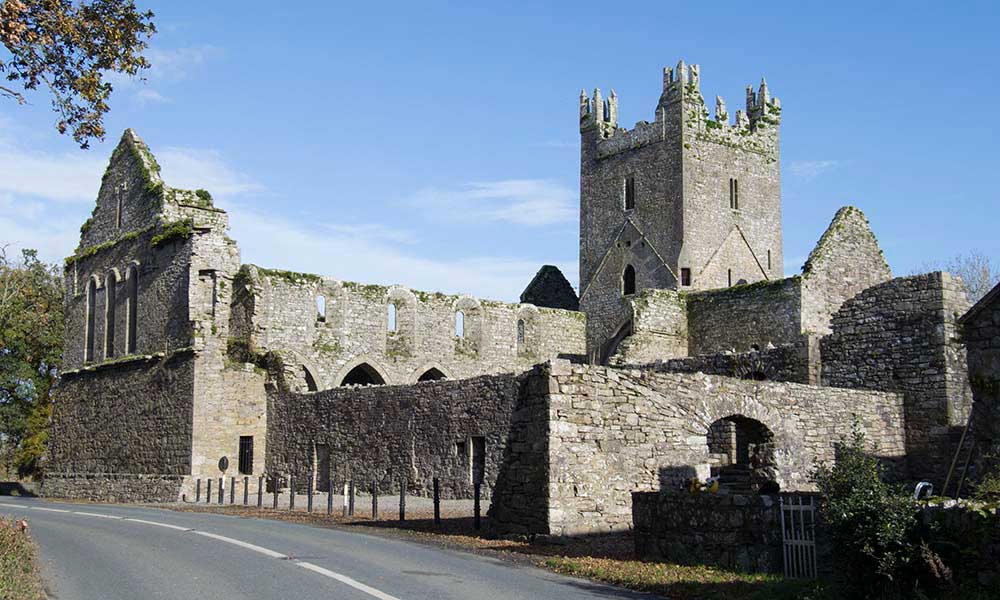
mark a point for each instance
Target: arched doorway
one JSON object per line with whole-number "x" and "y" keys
{"x": 363, "y": 374}
{"x": 611, "y": 346}
{"x": 741, "y": 450}
{"x": 431, "y": 374}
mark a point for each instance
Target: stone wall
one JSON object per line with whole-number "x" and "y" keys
{"x": 659, "y": 328}
{"x": 386, "y": 433}
{"x": 113, "y": 487}
{"x": 981, "y": 334}
{"x": 902, "y": 336}
{"x": 743, "y": 316}
{"x": 797, "y": 363}
{"x": 278, "y": 311}
{"x": 729, "y": 531}
{"x": 132, "y": 417}
{"x": 612, "y": 432}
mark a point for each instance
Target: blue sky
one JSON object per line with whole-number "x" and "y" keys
{"x": 436, "y": 144}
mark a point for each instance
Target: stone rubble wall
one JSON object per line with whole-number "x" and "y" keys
{"x": 729, "y": 531}
{"x": 612, "y": 432}
{"x": 659, "y": 328}
{"x": 277, "y": 310}
{"x": 789, "y": 362}
{"x": 902, "y": 336}
{"x": 386, "y": 433}
{"x": 113, "y": 487}
{"x": 981, "y": 334}
{"x": 127, "y": 418}
{"x": 737, "y": 318}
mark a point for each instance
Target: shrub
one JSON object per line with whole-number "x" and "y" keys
{"x": 18, "y": 571}
{"x": 871, "y": 525}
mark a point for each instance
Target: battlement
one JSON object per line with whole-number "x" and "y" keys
{"x": 681, "y": 102}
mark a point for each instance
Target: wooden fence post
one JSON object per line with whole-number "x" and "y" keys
{"x": 329, "y": 497}
{"x": 208, "y": 492}
{"x": 274, "y": 490}
{"x": 232, "y": 489}
{"x": 475, "y": 506}
{"x": 350, "y": 501}
{"x": 246, "y": 490}
{"x": 197, "y": 491}
{"x": 437, "y": 502}
{"x": 291, "y": 492}
{"x": 402, "y": 500}
{"x": 374, "y": 500}
{"x": 260, "y": 492}
{"x": 222, "y": 491}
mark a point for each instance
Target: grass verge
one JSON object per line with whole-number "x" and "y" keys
{"x": 19, "y": 578}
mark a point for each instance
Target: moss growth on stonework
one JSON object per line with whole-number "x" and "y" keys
{"x": 86, "y": 226}
{"x": 710, "y": 124}
{"x": 826, "y": 239}
{"x": 774, "y": 286}
{"x": 428, "y": 296}
{"x": 154, "y": 188}
{"x": 375, "y": 293}
{"x": 175, "y": 230}
{"x": 329, "y": 348}
{"x": 93, "y": 250}
{"x": 289, "y": 276}
{"x": 204, "y": 196}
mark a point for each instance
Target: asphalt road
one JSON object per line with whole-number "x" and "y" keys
{"x": 107, "y": 552}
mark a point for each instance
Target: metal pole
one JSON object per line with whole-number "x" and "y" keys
{"x": 309, "y": 502}
{"x": 208, "y": 492}
{"x": 246, "y": 490}
{"x": 350, "y": 502}
{"x": 260, "y": 491}
{"x": 197, "y": 491}
{"x": 437, "y": 502}
{"x": 475, "y": 506}
{"x": 329, "y": 497}
{"x": 232, "y": 489}
{"x": 274, "y": 490}
{"x": 222, "y": 491}
{"x": 291, "y": 492}
{"x": 402, "y": 500}
{"x": 374, "y": 500}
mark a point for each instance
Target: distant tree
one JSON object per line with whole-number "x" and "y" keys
{"x": 31, "y": 335}
{"x": 979, "y": 273}
{"x": 69, "y": 47}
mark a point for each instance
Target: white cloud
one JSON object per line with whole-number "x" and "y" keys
{"x": 65, "y": 177}
{"x": 167, "y": 66}
{"x": 531, "y": 202}
{"x": 150, "y": 96}
{"x": 811, "y": 169}
{"x": 193, "y": 168}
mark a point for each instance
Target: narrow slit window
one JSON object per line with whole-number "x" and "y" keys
{"x": 321, "y": 309}
{"x": 730, "y": 271}
{"x": 768, "y": 260}
{"x": 685, "y": 276}
{"x": 88, "y": 350}
{"x": 628, "y": 280}
{"x": 629, "y": 193}
{"x": 460, "y": 324}
{"x": 246, "y": 455}
{"x": 734, "y": 194}
{"x": 520, "y": 331}
{"x": 390, "y": 317}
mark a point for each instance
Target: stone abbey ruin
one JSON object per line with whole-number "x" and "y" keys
{"x": 687, "y": 352}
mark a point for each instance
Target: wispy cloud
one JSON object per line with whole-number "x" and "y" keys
{"x": 65, "y": 177}
{"x": 192, "y": 168}
{"x": 811, "y": 169}
{"x": 530, "y": 202}
{"x": 167, "y": 66}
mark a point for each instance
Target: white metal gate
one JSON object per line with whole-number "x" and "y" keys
{"x": 798, "y": 534}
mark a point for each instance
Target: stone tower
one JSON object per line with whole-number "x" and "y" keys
{"x": 684, "y": 202}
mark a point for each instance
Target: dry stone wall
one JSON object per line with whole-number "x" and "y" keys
{"x": 981, "y": 334}
{"x": 387, "y": 433}
{"x": 744, "y": 316}
{"x": 902, "y": 336}
{"x": 612, "y": 432}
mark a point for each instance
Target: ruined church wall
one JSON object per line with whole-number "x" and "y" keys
{"x": 386, "y": 433}
{"x": 277, "y": 311}
{"x": 737, "y": 318}
{"x": 981, "y": 333}
{"x": 659, "y": 328}
{"x": 789, "y": 362}
{"x": 113, "y": 425}
{"x": 902, "y": 336}
{"x": 612, "y": 432}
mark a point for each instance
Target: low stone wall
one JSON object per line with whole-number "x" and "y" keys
{"x": 967, "y": 537}
{"x": 734, "y": 532}
{"x": 113, "y": 487}
{"x": 789, "y": 362}
{"x": 386, "y": 433}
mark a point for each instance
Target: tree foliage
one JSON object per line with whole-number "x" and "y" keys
{"x": 31, "y": 335}
{"x": 979, "y": 273}
{"x": 70, "y": 47}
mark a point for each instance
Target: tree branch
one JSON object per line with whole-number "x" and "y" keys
{"x": 9, "y": 93}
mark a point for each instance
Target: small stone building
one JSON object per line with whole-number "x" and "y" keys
{"x": 691, "y": 353}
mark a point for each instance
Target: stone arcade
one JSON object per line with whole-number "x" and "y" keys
{"x": 687, "y": 351}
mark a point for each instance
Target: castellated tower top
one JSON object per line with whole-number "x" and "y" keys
{"x": 681, "y": 100}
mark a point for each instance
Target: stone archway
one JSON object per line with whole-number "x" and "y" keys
{"x": 741, "y": 452}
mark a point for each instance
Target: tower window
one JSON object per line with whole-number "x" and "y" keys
{"x": 321, "y": 309}
{"x": 520, "y": 331}
{"x": 391, "y": 317}
{"x": 768, "y": 260}
{"x": 730, "y": 271}
{"x": 132, "y": 285}
{"x": 734, "y": 194}
{"x": 628, "y": 280}
{"x": 460, "y": 324}
{"x": 685, "y": 276}
{"x": 88, "y": 348}
{"x": 629, "y": 193}
{"x": 110, "y": 295}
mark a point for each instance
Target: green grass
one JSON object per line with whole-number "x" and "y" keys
{"x": 19, "y": 578}
{"x": 679, "y": 582}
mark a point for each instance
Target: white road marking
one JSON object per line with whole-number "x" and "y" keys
{"x": 247, "y": 545}
{"x": 345, "y": 579}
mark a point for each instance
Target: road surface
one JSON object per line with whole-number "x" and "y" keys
{"x": 110, "y": 552}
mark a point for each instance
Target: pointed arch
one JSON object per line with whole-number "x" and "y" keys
{"x": 110, "y": 316}
{"x": 628, "y": 280}
{"x": 91, "y": 321}
{"x": 131, "y": 307}
{"x": 431, "y": 371}
{"x": 362, "y": 371}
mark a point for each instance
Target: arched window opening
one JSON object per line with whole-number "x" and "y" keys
{"x": 88, "y": 350}
{"x": 391, "y": 317}
{"x": 734, "y": 194}
{"x": 111, "y": 297}
{"x": 520, "y": 331}
{"x": 321, "y": 309}
{"x": 741, "y": 451}
{"x": 431, "y": 374}
{"x": 730, "y": 275}
{"x": 459, "y": 324}
{"x": 629, "y": 193}
{"x": 628, "y": 280}
{"x": 363, "y": 374}
{"x": 310, "y": 380}
{"x": 132, "y": 306}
